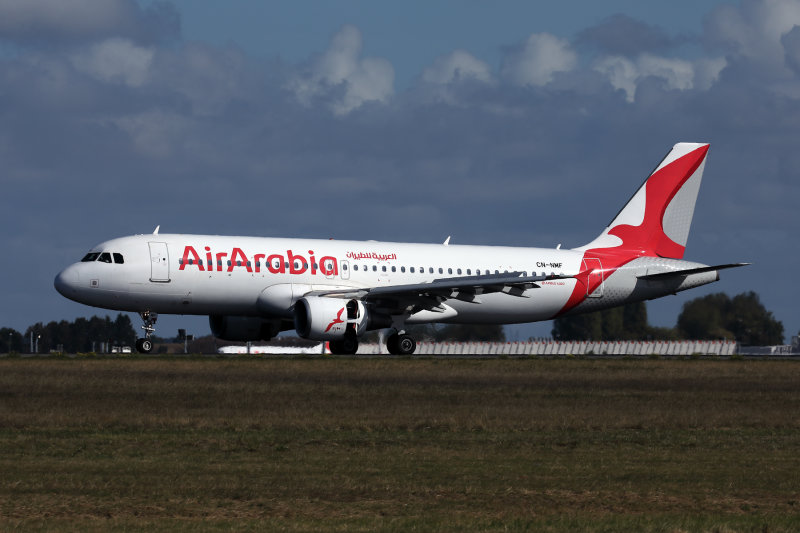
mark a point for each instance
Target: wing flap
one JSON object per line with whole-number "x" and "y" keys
{"x": 467, "y": 288}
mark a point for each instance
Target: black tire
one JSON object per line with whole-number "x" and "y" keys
{"x": 392, "y": 344}
{"x": 144, "y": 345}
{"x": 350, "y": 343}
{"x": 406, "y": 344}
{"x": 335, "y": 347}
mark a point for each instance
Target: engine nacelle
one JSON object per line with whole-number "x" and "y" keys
{"x": 244, "y": 328}
{"x": 327, "y": 319}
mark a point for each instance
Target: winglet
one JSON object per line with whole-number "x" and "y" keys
{"x": 155, "y": 231}
{"x": 447, "y": 241}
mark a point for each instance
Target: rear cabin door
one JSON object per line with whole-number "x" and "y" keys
{"x": 159, "y": 262}
{"x": 595, "y": 285}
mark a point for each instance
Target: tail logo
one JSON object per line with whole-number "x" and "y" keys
{"x": 650, "y": 238}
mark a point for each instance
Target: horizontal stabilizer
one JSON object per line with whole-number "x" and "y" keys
{"x": 688, "y": 271}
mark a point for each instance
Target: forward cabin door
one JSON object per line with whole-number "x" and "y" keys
{"x": 159, "y": 262}
{"x": 595, "y": 279}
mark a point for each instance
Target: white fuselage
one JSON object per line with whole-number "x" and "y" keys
{"x": 253, "y": 276}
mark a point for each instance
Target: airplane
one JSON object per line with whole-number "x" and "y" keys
{"x": 252, "y": 288}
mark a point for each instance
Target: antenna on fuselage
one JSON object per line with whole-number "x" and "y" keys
{"x": 155, "y": 231}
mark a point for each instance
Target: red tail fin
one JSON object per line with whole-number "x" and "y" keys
{"x": 656, "y": 220}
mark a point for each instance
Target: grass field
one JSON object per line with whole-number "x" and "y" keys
{"x": 332, "y": 444}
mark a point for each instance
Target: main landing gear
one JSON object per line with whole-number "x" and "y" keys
{"x": 401, "y": 343}
{"x": 145, "y": 345}
{"x": 348, "y": 345}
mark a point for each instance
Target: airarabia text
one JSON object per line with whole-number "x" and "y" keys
{"x": 293, "y": 263}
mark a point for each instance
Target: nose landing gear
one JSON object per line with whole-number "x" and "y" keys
{"x": 145, "y": 345}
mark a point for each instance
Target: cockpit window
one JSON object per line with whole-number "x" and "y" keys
{"x": 91, "y": 256}
{"x": 118, "y": 258}
{"x": 105, "y": 257}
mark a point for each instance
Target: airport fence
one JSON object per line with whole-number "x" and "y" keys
{"x": 533, "y": 347}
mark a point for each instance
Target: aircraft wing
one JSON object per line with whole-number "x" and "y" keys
{"x": 417, "y": 296}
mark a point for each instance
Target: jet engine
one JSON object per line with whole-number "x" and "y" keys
{"x": 327, "y": 319}
{"x": 244, "y": 328}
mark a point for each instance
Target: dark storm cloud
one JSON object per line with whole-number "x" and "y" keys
{"x": 623, "y": 35}
{"x": 117, "y": 134}
{"x": 47, "y": 22}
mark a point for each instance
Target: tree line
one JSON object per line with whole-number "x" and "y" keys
{"x": 82, "y": 335}
{"x": 742, "y": 318}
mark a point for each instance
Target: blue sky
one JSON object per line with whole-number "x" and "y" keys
{"x": 513, "y": 123}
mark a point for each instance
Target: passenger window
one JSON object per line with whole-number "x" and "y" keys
{"x": 458, "y": 271}
{"x": 344, "y": 266}
{"x": 441, "y": 270}
{"x": 118, "y": 258}
{"x": 105, "y": 257}
{"x": 229, "y": 262}
{"x": 449, "y": 270}
{"x": 383, "y": 268}
{"x": 469, "y": 272}
{"x": 430, "y": 270}
{"x": 402, "y": 269}
{"x": 374, "y": 268}
{"x": 412, "y": 270}
{"x": 394, "y": 269}
{"x": 91, "y": 256}
{"x": 355, "y": 267}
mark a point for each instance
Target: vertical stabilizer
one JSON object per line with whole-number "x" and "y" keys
{"x": 656, "y": 220}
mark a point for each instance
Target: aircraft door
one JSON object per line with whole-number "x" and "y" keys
{"x": 159, "y": 262}
{"x": 595, "y": 281}
{"x": 344, "y": 266}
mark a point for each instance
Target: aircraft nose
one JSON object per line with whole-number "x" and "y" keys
{"x": 67, "y": 281}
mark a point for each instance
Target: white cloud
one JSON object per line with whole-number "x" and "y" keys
{"x": 754, "y": 28}
{"x": 116, "y": 61}
{"x": 341, "y": 70}
{"x": 677, "y": 74}
{"x": 155, "y": 134}
{"x": 538, "y": 60}
{"x": 456, "y": 66}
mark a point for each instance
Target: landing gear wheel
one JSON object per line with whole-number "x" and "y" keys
{"x": 350, "y": 343}
{"x": 406, "y": 344}
{"x": 401, "y": 344}
{"x": 346, "y": 346}
{"x": 335, "y": 347}
{"x": 144, "y": 345}
{"x": 391, "y": 344}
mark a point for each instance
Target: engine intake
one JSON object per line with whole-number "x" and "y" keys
{"x": 326, "y": 319}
